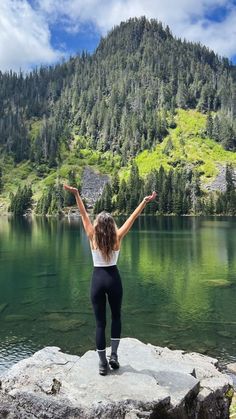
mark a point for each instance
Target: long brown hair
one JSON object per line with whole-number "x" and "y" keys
{"x": 105, "y": 234}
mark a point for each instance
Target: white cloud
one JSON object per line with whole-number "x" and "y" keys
{"x": 24, "y": 37}
{"x": 186, "y": 18}
{"x": 221, "y": 37}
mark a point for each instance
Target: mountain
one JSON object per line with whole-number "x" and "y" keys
{"x": 113, "y": 104}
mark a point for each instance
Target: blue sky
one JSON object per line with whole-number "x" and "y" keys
{"x": 34, "y": 32}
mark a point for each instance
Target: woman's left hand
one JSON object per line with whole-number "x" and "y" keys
{"x": 70, "y": 189}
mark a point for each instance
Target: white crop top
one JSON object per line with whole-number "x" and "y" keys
{"x": 98, "y": 259}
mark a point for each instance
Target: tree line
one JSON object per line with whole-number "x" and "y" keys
{"x": 178, "y": 193}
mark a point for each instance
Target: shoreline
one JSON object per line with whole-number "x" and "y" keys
{"x": 77, "y": 215}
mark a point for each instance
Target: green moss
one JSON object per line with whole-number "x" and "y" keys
{"x": 229, "y": 393}
{"x": 232, "y": 410}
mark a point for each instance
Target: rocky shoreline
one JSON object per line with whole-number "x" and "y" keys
{"x": 152, "y": 382}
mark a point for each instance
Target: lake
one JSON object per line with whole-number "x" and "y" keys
{"x": 179, "y": 280}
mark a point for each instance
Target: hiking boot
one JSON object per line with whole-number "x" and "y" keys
{"x": 103, "y": 368}
{"x": 113, "y": 362}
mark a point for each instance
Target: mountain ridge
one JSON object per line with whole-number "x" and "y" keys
{"x": 119, "y": 102}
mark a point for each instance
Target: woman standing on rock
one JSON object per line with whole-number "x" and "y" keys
{"x": 105, "y": 241}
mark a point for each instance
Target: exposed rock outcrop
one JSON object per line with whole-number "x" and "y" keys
{"x": 219, "y": 183}
{"x": 152, "y": 382}
{"x": 92, "y": 185}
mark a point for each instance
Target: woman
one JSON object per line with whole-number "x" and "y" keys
{"x": 105, "y": 240}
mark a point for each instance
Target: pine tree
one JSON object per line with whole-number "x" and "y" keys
{"x": 230, "y": 189}
{"x": 122, "y": 197}
{"x": 220, "y": 204}
{"x": 216, "y": 129}
{"x": 115, "y": 183}
{"x": 108, "y": 197}
{"x": 134, "y": 187}
{"x": 1, "y": 181}
{"x": 209, "y": 125}
{"x": 21, "y": 200}
{"x": 69, "y": 198}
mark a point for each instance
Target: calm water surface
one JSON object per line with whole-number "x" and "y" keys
{"x": 179, "y": 279}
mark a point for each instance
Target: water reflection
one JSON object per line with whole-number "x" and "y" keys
{"x": 178, "y": 277}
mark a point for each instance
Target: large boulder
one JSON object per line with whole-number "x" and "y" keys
{"x": 152, "y": 382}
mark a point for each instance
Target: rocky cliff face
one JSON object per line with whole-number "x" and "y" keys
{"x": 152, "y": 382}
{"x": 219, "y": 183}
{"x": 92, "y": 185}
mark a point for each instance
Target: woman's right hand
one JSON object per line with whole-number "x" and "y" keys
{"x": 150, "y": 198}
{"x": 70, "y": 189}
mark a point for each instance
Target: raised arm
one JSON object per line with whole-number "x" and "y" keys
{"x": 85, "y": 218}
{"x": 123, "y": 230}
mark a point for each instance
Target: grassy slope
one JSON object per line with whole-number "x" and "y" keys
{"x": 74, "y": 159}
{"x": 188, "y": 148}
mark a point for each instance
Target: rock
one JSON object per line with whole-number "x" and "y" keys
{"x": 232, "y": 368}
{"x": 61, "y": 322}
{"x": 3, "y": 306}
{"x": 152, "y": 382}
{"x": 219, "y": 183}
{"x": 66, "y": 325}
{"x": 233, "y": 407}
{"x": 93, "y": 185}
{"x": 224, "y": 334}
{"x": 224, "y": 283}
{"x": 18, "y": 318}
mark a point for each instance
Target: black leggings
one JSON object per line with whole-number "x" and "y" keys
{"x": 106, "y": 280}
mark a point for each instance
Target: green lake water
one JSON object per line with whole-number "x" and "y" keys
{"x": 179, "y": 280}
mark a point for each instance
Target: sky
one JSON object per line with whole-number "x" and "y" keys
{"x": 43, "y": 32}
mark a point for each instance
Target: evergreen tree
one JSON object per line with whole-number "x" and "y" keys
{"x": 107, "y": 197}
{"x": 122, "y": 197}
{"x": 1, "y": 181}
{"x": 57, "y": 200}
{"x": 44, "y": 202}
{"x": 216, "y": 128}
{"x": 21, "y": 200}
{"x": 69, "y": 198}
{"x": 209, "y": 125}
{"x": 220, "y": 204}
{"x": 115, "y": 183}
{"x": 230, "y": 189}
{"x": 134, "y": 185}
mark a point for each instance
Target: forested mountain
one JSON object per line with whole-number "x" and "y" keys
{"x": 122, "y": 100}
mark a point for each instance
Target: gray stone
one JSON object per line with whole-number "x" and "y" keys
{"x": 152, "y": 382}
{"x": 219, "y": 183}
{"x": 232, "y": 368}
{"x": 93, "y": 184}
